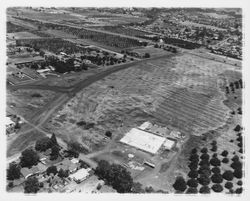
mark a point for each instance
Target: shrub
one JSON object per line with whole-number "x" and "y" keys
{"x": 215, "y": 162}
{"x": 216, "y": 178}
{"x": 228, "y": 175}
{"x": 224, "y": 153}
{"x": 204, "y": 180}
{"x": 192, "y": 183}
{"x": 217, "y": 188}
{"x": 215, "y": 155}
{"x": 225, "y": 160}
{"x": 216, "y": 170}
{"x": 192, "y": 191}
{"x": 108, "y": 134}
{"x": 228, "y": 185}
{"x": 237, "y": 128}
{"x": 239, "y": 183}
{"x": 213, "y": 143}
{"x": 204, "y": 190}
{"x": 214, "y": 148}
{"x": 193, "y": 174}
{"x": 180, "y": 184}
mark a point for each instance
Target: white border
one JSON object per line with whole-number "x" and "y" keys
{"x": 244, "y": 4}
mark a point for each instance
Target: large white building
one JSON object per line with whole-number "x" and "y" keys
{"x": 143, "y": 140}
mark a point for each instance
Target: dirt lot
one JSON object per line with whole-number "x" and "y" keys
{"x": 184, "y": 92}
{"x": 22, "y": 35}
{"x": 25, "y": 102}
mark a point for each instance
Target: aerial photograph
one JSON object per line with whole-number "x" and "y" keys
{"x": 124, "y": 100}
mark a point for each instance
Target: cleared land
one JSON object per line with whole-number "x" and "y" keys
{"x": 182, "y": 92}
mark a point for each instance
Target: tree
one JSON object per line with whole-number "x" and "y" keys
{"x": 54, "y": 152}
{"x": 180, "y": 184}
{"x": 192, "y": 190}
{"x": 52, "y": 169}
{"x": 193, "y": 174}
{"x": 194, "y": 158}
{"x": 31, "y": 185}
{"x": 228, "y": 175}
{"x": 216, "y": 178}
{"x": 240, "y": 183}
{"x": 235, "y": 158}
{"x": 236, "y": 165}
{"x": 14, "y": 171}
{"x": 204, "y": 150}
{"x": 228, "y": 185}
{"x": 238, "y": 173}
{"x": 204, "y": 180}
{"x": 43, "y": 144}
{"x": 120, "y": 179}
{"x": 53, "y": 139}
{"x": 204, "y": 190}
{"x": 115, "y": 175}
{"x": 102, "y": 169}
{"x": 192, "y": 183}
{"x": 238, "y": 190}
{"x": 29, "y": 158}
{"x": 214, "y": 148}
{"x": 217, "y": 188}
{"x": 63, "y": 173}
{"x": 216, "y": 170}
{"x": 215, "y": 162}
{"x": 225, "y": 160}
{"x": 224, "y": 153}
{"x": 205, "y": 156}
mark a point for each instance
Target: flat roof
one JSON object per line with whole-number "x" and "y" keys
{"x": 143, "y": 140}
{"x": 80, "y": 174}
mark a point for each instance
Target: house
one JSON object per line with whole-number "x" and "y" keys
{"x": 67, "y": 165}
{"x": 80, "y": 175}
{"x": 26, "y": 172}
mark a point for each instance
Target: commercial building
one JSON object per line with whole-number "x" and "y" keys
{"x": 143, "y": 140}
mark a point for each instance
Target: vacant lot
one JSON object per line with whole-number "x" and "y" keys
{"x": 25, "y": 101}
{"x": 22, "y": 35}
{"x": 182, "y": 92}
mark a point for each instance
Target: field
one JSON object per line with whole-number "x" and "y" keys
{"x": 22, "y": 35}
{"x": 27, "y": 101}
{"x": 151, "y": 50}
{"x": 176, "y": 92}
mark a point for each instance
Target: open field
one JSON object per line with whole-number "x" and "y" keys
{"x": 26, "y": 101}
{"x": 22, "y": 35}
{"x": 178, "y": 93}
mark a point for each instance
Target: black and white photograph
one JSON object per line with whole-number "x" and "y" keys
{"x": 124, "y": 99}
